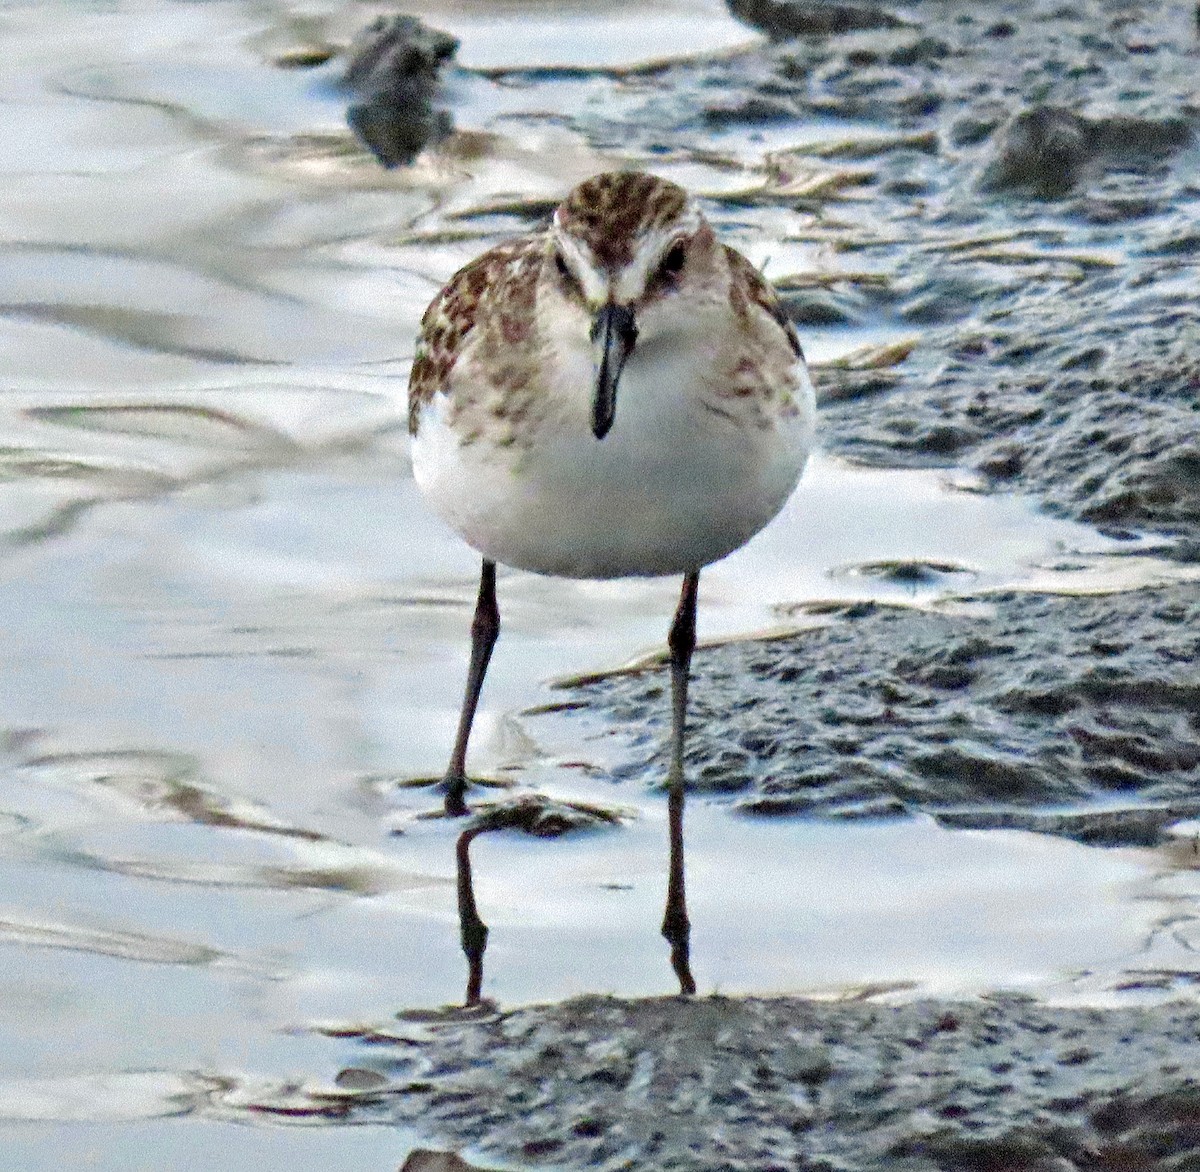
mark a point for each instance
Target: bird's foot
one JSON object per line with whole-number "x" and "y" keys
{"x": 454, "y": 790}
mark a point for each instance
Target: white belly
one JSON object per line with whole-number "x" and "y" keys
{"x": 671, "y": 488}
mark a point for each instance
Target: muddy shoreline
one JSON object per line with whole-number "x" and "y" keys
{"x": 980, "y": 711}
{"x": 715, "y": 1083}
{"x": 233, "y": 631}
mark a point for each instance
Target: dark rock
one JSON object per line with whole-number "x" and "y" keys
{"x": 393, "y": 71}
{"x": 1049, "y": 150}
{"x": 1044, "y": 150}
{"x": 783, "y": 20}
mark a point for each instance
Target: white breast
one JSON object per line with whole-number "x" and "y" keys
{"x": 671, "y": 488}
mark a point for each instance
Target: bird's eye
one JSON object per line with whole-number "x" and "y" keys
{"x": 567, "y": 280}
{"x": 673, "y": 262}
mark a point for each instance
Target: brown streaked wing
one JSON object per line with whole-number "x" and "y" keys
{"x": 468, "y": 298}
{"x": 748, "y": 286}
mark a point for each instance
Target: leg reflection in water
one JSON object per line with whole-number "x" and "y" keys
{"x": 472, "y": 930}
{"x": 682, "y": 642}
{"x": 546, "y": 818}
{"x": 676, "y": 927}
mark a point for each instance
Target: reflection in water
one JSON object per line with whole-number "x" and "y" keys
{"x": 472, "y": 930}
{"x": 682, "y": 642}
{"x": 533, "y": 816}
{"x": 676, "y": 926}
{"x": 544, "y": 818}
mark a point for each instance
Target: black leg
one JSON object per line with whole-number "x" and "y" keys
{"x": 485, "y": 628}
{"x": 472, "y": 930}
{"x": 682, "y": 642}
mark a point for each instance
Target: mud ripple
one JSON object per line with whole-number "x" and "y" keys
{"x": 982, "y": 717}
{"x": 762, "y": 1084}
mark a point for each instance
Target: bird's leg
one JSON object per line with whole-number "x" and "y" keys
{"x": 472, "y": 930}
{"x": 682, "y": 642}
{"x": 485, "y": 628}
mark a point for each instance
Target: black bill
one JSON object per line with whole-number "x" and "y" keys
{"x": 613, "y": 333}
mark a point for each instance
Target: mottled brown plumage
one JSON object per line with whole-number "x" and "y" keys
{"x": 496, "y": 292}
{"x": 749, "y": 287}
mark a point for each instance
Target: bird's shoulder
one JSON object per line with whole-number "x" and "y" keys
{"x": 751, "y": 296}
{"x": 495, "y": 293}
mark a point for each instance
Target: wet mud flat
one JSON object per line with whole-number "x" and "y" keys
{"x": 1073, "y": 715}
{"x": 1002, "y": 1083}
{"x": 1061, "y": 714}
{"x": 1087, "y": 399}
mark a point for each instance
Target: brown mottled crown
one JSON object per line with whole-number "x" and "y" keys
{"x": 611, "y": 212}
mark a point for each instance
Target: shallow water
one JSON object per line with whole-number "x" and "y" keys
{"x": 230, "y": 627}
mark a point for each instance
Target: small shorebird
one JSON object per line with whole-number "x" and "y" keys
{"x": 618, "y": 395}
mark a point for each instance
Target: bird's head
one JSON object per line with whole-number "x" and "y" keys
{"x": 630, "y": 259}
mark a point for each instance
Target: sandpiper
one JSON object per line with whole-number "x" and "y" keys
{"x": 618, "y": 395}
